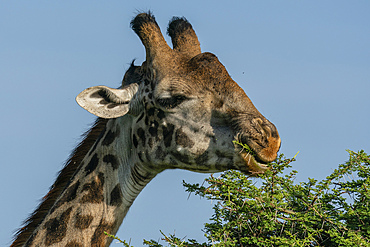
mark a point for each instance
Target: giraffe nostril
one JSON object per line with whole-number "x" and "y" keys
{"x": 260, "y": 126}
{"x": 266, "y": 128}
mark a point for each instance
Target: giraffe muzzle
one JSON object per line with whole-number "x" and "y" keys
{"x": 263, "y": 142}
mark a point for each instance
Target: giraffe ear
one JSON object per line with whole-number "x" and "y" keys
{"x": 107, "y": 102}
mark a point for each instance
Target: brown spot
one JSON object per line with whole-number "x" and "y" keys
{"x": 71, "y": 192}
{"x": 56, "y": 228}
{"x": 109, "y": 138}
{"x": 116, "y": 196}
{"x": 111, "y": 159}
{"x": 94, "y": 161}
{"x": 141, "y": 135}
{"x": 99, "y": 238}
{"x": 167, "y": 134}
{"x": 151, "y": 112}
{"x": 153, "y": 129}
{"x": 161, "y": 114}
{"x": 146, "y": 120}
{"x": 68, "y": 196}
{"x": 95, "y": 190}
{"x": 182, "y": 139}
{"x": 134, "y": 140}
{"x": 83, "y": 221}
{"x": 73, "y": 244}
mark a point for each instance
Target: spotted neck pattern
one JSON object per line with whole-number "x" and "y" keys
{"x": 99, "y": 193}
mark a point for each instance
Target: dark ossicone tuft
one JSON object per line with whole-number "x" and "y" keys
{"x": 140, "y": 19}
{"x": 177, "y": 25}
{"x": 183, "y": 37}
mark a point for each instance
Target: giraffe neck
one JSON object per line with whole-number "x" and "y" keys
{"x": 97, "y": 195}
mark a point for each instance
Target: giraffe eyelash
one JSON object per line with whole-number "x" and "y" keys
{"x": 172, "y": 102}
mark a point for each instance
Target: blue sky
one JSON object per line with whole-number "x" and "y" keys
{"x": 304, "y": 64}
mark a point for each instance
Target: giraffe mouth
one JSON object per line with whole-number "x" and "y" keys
{"x": 253, "y": 166}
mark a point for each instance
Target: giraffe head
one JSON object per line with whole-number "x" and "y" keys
{"x": 185, "y": 109}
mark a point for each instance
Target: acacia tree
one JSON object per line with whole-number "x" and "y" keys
{"x": 280, "y": 212}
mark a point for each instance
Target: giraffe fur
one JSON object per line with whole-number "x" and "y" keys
{"x": 180, "y": 109}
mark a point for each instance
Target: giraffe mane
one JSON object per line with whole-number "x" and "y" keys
{"x": 63, "y": 178}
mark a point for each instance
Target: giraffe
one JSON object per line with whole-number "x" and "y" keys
{"x": 178, "y": 109}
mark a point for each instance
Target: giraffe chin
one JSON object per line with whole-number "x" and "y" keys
{"x": 253, "y": 166}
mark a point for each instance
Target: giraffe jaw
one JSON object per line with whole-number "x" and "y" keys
{"x": 253, "y": 166}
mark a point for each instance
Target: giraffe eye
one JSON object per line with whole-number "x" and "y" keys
{"x": 172, "y": 102}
